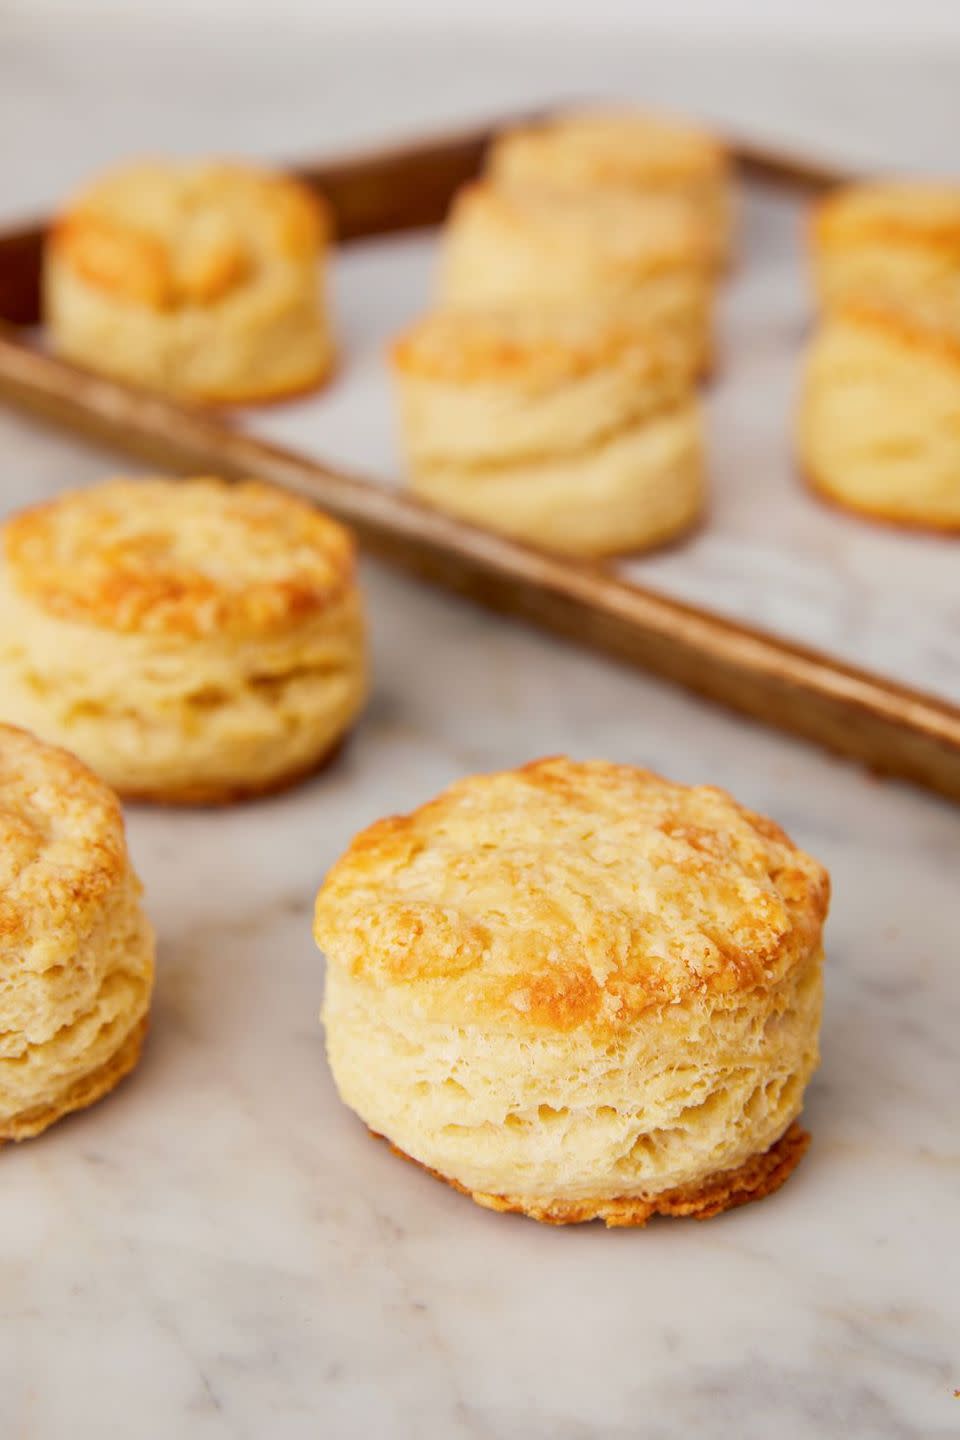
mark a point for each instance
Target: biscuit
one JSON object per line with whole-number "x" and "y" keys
{"x": 192, "y": 641}
{"x": 664, "y": 162}
{"x": 578, "y": 991}
{"x": 201, "y": 280}
{"x": 892, "y": 245}
{"x": 575, "y": 436}
{"x": 76, "y": 950}
{"x": 605, "y": 257}
{"x": 879, "y": 422}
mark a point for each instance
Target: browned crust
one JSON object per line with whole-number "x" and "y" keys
{"x": 541, "y": 979}
{"x": 940, "y": 529}
{"x": 103, "y": 240}
{"x": 757, "y": 1177}
{"x": 201, "y": 795}
{"x": 900, "y": 328}
{"x": 47, "y": 790}
{"x": 837, "y": 224}
{"x": 464, "y": 347}
{"x": 524, "y": 217}
{"x": 83, "y": 1092}
{"x": 624, "y": 158}
{"x": 77, "y": 559}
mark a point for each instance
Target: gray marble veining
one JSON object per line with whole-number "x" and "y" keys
{"x": 219, "y": 1252}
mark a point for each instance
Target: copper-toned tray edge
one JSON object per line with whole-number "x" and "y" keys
{"x": 885, "y": 725}
{"x": 384, "y": 190}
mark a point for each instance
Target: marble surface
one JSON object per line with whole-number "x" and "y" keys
{"x": 219, "y": 1250}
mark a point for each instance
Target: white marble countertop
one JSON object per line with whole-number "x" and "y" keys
{"x": 219, "y": 1250}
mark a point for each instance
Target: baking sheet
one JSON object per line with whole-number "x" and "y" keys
{"x": 770, "y": 553}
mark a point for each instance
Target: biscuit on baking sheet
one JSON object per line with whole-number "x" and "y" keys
{"x": 879, "y": 422}
{"x": 572, "y": 434}
{"x": 201, "y": 280}
{"x": 893, "y": 244}
{"x": 658, "y": 159}
{"x": 76, "y": 950}
{"x": 605, "y": 256}
{"x": 578, "y": 991}
{"x": 192, "y": 641}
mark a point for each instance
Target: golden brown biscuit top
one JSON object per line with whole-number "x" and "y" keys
{"x": 894, "y": 327}
{"x": 165, "y": 235}
{"x": 536, "y": 348}
{"x": 892, "y": 212}
{"x": 566, "y": 894}
{"x": 189, "y": 558}
{"x": 616, "y": 232}
{"x": 62, "y": 850}
{"x": 606, "y": 148}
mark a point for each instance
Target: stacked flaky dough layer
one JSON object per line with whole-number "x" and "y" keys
{"x": 199, "y": 279}
{"x": 879, "y": 426}
{"x": 578, "y": 991}
{"x": 191, "y": 640}
{"x": 551, "y": 397}
{"x": 575, "y": 435}
{"x": 880, "y": 417}
{"x": 606, "y": 256}
{"x": 893, "y": 245}
{"x": 667, "y": 164}
{"x": 76, "y": 950}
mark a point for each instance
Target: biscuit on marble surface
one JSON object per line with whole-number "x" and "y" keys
{"x": 573, "y": 434}
{"x": 578, "y": 991}
{"x": 606, "y": 257}
{"x": 879, "y": 422}
{"x": 891, "y": 244}
{"x": 76, "y": 950}
{"x": 192, "y": 641}
{"x": 661, "y": 160}
{"x": 201, "y": 280}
